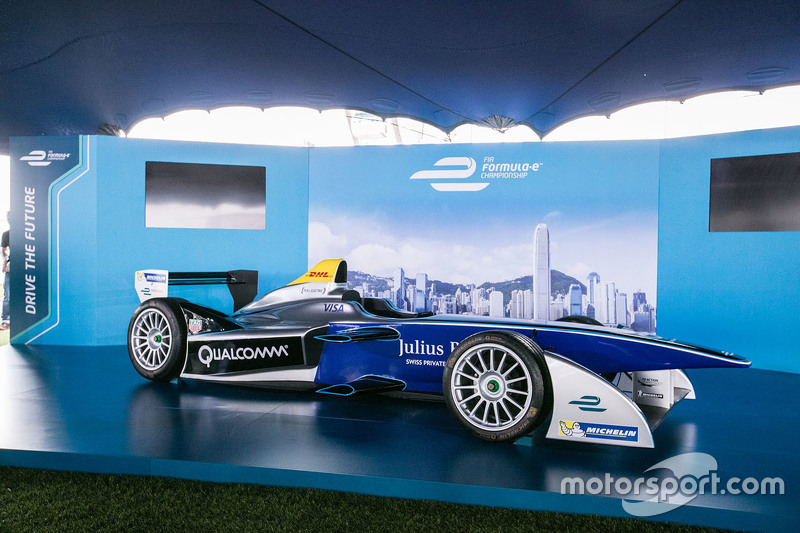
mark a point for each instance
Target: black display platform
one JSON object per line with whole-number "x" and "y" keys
{"x": 86, "y": 409}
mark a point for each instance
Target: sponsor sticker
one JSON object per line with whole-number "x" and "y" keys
{"x": 313, "y": 290}
{"x": 151, "y": 284}
{"x": 649, "y": 381}
{"x": 206, "y": 353}
{"x": 643, "y": 394}
{"x": 195, "y": 325}
{"x": 588, "y": 403}
{"x": 597, "y": 431}
{"x": 212, "y": 357}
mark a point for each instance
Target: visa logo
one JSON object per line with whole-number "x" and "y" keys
{"x": 334, "y": 308}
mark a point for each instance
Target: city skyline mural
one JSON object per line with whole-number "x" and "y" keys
{"x": 493, "y": 220}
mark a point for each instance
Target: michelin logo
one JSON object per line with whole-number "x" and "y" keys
{"x": 40, "y": 158}
{"x": 597, "y": 431}
{"x": 154, "y": 278}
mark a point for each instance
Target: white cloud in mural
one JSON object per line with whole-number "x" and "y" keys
{"x": 448, "y": 259}
{"x": 621, "y": 249}
{"x": 323, "y": 243}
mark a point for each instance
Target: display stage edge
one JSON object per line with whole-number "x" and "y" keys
{"x": 86, "y": 409}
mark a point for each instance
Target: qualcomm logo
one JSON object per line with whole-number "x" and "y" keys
{"x": 40, "y": 158}
{"x": 206, "y": 354}
{"x": 467, "y": 169}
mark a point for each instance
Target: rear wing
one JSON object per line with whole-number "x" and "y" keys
{"x": 242, "y": 284}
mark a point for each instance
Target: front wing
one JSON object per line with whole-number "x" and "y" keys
{"x": 589, "y": 408}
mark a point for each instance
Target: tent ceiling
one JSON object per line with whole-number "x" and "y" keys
{"x": 70, "y": 67}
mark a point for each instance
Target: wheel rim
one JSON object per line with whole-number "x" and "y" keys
{"x": 491, "y": 387}
{"x": 151, "y": 339}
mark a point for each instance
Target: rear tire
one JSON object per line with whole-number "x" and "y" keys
{"x": 497, "y": 386}
{"x": 157, "y": 339}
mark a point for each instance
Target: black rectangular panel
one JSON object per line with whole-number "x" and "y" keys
{"x": 755, "y": 193}
{"x": 194, "y": 195}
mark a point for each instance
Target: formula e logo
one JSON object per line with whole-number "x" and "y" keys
{"x": 40, "y": 158}
{"x": 36, "y": 158}
{"x": 588, "y": 403}
{"x": 463, "y": 168}
{"x": 334, "y": 308}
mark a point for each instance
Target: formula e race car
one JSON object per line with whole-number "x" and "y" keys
{"x": 500, "y": 378}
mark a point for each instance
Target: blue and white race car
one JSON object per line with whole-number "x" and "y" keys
{"x": 500, "y": 378}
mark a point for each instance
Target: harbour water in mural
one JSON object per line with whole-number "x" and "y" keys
{"x": 533, "y": 231}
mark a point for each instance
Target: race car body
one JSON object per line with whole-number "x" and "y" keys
{"x": 500, "y": 378}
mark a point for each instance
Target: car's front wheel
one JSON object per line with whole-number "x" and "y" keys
{"x": 157, "y": 339}
{"x": 497, "y": 385}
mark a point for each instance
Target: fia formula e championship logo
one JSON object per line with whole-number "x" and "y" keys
{"x": 40, "y": 158}
{"x": 461, "y": 169}
{"x": 451, "y": 171}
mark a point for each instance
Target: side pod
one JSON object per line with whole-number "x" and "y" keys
{"x": 367, "y": 333}
{"x": 368, "y": 383}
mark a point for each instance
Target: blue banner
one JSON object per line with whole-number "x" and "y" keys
{"x": 41, "y": 168}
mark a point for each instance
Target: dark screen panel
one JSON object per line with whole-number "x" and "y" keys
{"x": 194, "y": 195}
{"x": 755, "y": 193}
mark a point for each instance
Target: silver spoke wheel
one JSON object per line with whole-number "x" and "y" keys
{"x": 496, "y": 384}
{"x": 151, "y": 339}
{"x": 491, "y": 387}
{"x": 157, "y": 339}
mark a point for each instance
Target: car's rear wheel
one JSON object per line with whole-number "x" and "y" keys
{"x": 497, "y": 386}
{"x": 157, "y": 339}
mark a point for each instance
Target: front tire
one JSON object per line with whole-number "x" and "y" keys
{"x": 497, "y": 386}
{"x": 157, "y": 339}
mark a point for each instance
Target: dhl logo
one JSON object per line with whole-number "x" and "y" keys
{"x": 323, "y": 271}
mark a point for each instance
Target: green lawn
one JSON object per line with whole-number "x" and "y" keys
{"x": 42, "y": 501}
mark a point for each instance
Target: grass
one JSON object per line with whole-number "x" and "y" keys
{"x": 43, "y": 501}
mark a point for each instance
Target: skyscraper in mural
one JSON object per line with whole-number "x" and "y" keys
{"x": 496, "y": 308}
{"x": 399, "y": 289}
{"x": 593, "y": 282}
{"x": 574, "y": 300}
{"x": 541, "y": 273}
{"x": 420, "y": 296}
{"x": 592, "y": 291}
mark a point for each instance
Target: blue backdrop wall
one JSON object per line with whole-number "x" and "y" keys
{"x": 739, "y": 291}
{"x": 735, "y": 291}
{"x": 93, "y": 205}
